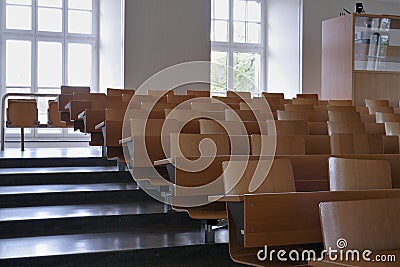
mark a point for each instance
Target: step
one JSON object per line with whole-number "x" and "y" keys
{"x": 64, "y": 175}
{"x": 55, "y": 196}
{"x": 55, "y": 162}
{"x": 72, "y": 219}
{"x": 117, "y": 251}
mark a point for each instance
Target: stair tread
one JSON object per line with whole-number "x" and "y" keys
{"x": 42, "y": 189}
{"x": 41, "y": 170}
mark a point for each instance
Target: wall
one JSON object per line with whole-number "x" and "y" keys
{"x": 111, "y": 44}
{"x": 160, "y": 34}
{"x": 316, "y": 11}
{"x": 283, "y": 46}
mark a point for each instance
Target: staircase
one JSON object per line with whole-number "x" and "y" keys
{"x": 83, "y": 211}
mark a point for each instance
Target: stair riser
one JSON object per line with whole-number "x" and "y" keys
{"x": 55, "y": 162}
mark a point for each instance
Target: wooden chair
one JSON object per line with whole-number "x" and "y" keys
{"x": 294, "y": 107}
{"x": 359, "y": 174}
{"x": 340, "y": 116}
{"x": 374, "y": 110}
{"x": 159, "y": 93}
{"x": 376, "y": 103}
{"x": 310, "y": 96}
{"x": 232, "y": 127}
{"x": 340, "y": 103}
{"x": 178, "y": 99}
{"x": 242, "y": 95}
{"x": 258, "y": 176}
{"x": 387, "y": 117}
{"x": 342, "y": 220}
{"x": 305, "y": 101}
{"x": 341, "y": 108}
{"x": 374, "y": 128}
{"x": 226, "y": 100}
{"x": 244, "y": 115}
{"x": 362, "y": 110}
{"x": 119, "y": 92}
{"x": 22, "y": 113}
{"x": 66, "y": 96}
{"x": 391, "y": 144}
{"x": 368, "y": 118}
{"x": 198, "y": 93}
{"x": 356, "y": 144}
{"x": 317, "y": 144}
{"x": 318, "y": 116}
{"x": 287, "y": 128}
{"x": 292, "y": 115}
{"x": 54, "y": 116}
{"x": 273, "y": 95}
{"x": 265, "y": 145}
{"x": 208, "y": 106}
{"x": 392, "y": 128}
{"x": 345, "y": 127}
{"x": 317, "y": 128}
{"x": 323, "y": 102}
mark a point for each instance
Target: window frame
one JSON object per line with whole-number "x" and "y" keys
{"x": 232, "y": 47}
{"x": 35, "y": 36}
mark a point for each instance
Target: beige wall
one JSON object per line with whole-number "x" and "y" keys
{"x": 162, "y": 33}
{"x": 316, "y": 11}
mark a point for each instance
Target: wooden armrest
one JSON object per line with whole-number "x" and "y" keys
{"x": 68, "y": 106}
{"x": 228, "y": 198}
{"x": 100, "y": 125}
{"x": 163, "y": 162}
{"x": 125, "y": 140}
{"x": 82, "y": 115}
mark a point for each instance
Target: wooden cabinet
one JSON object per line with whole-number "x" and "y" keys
{"x": 361, "y": 58}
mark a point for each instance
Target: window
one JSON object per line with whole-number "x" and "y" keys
{"x": 45, "y": 44}
{"x": 237, "y": 37}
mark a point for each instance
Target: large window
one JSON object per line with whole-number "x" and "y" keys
{"x": 45, "y": 44}
{"x": 238, "y": 38}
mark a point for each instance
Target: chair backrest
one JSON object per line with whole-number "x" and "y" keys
{"x": 391, "y": 144}
{"x": 226, "y": 100}
{"x": 119, "y": 92}
{"x": 70, "y": 90}
{"x": 342, "y": 144}
{"x": 342, "y": 108}
{"x": 292, "y": 115}
{"x": 243, "y": 95}
{"x": 273, "y": 95}
{"x": 323, "y": 102}
{"x": 232, "y": 127}
{"x": 182, "y": 115}
{"x": 285, "y": 145}
{"x": 196, "y": 145}
{"x": 317, "y": 144}
{"x": 22, "y": 113}
{"x": 359, "y": 174}
{"x": 244, "y": 115}
{"x": 158, "y": 93}
{"x": 340, "y": 103}
{"x": 392, "y": 128}
{"x": 258, "y": 176}
{"x": 342, "y": 220}
{"x": 374, "y": 128}
{"x": 376, "y": 103}
{"x": 157, "y": 106}
{"x": 198, "y": 93}
{"x": 345, "y": 127}
{"x": 318, "y": 116}
{"x": 287, "y": 127}
{"x": 375, "y": 109}
{"x": 178, "y": 99}
{"x": 382, "y": 117}
{"x": 317, "y": 128}
{"x": 305, "y": 101}
{"x": 362, "y": 110}
{"x": 311, "y": 96}
{"x": 344, "y": 116}
{"x": 369, "y": 118}
{"x": 298, "y": 107}
{"x": 54, "y": 116}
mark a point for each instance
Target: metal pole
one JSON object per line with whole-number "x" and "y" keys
{"x": 22, "y": 139}
{"x": 3, "y": 111}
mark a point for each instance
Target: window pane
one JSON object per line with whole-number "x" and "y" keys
{"x": 219, "y": 71}
{"x": 50, "y": 19}
{"x": 80, "y": 22}
{"x": 18, "y": 63}
{"x": 49, "y": 64}
{"x": 247, "y": 76}
{"x": 253, "y": 33}
{"x": 221, "y": 31}
{"x": 80, "y": 4}
{"x": 222, "y": 9}
{"x": 50, "y": 3}
{"x": 79, "y": 64}
{"x": 239, "y": 10}
{"x": 239, "y": 29}
{"x": 19, "y": 2}
{"x": 212, "y": 36}
{"x": 254, "y": 11}
{"x": 19, "y": 17}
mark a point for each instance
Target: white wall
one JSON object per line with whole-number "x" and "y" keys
{"x": 111, "y": 44}
{"x": 283, "y": 46}
{"x": 163, "y": 33}
{"x": 316, "y": 11}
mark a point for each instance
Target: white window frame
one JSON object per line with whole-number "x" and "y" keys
{"x": 64, "y": 38}
{"x": 231, "y": 47}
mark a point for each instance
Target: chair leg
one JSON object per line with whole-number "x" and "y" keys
{"x": 22, "y": 139}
